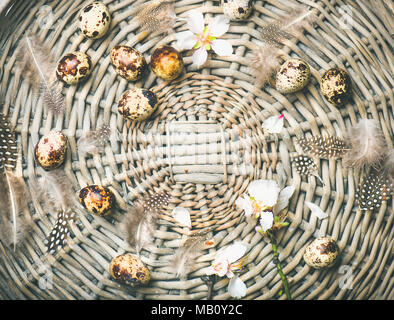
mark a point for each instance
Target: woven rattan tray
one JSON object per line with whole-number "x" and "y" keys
{"x": 196, "y": 149}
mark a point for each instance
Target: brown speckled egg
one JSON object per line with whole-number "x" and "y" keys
{"x": 237, "y": 9}
{"x": 97, "y": 199}
{"x": 74, "y": 67}
{"x": 129, "y": 270}
{"x": 137, "y": 104}
{"x": 336, "y": 86}
{"x": 321, "y": 253}
{"x": 128, "y": 62}
{"x": 292, "y": 76}
{"x": 166, "y": 63}
{"x": 51, "y": 149}
{"x": 94, "y": 20}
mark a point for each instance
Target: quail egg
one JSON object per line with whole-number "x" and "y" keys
{"x": 292, "y": 76}
{"x": 166, "y": 63}
{"x": 129, "y": 270}
{"x": 237, "y": 9}
{"x": 321, "y": 253}
{"x": 335, "y": 85}
{"x": 128, "y": 62}
{"x": 137, "y": 104}
{"x": 74, "y": 67}
{"x": 51, "y": 149}
{"x": 94, "y": 20}
{"x": 97, "y": 200}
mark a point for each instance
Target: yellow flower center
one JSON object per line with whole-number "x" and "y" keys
{"x": 205, "y": 39}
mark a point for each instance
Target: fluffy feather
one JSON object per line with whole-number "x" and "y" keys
{"x": 264, "y": 62}
{"x": 288, "y": 25}
{"x": 388, "y": 166}
{"x": 185, "y": 255}
{"x": 93, "y": 141}
{"x": 56, "y": 193}
{"x": 39, "y": 65}
{"x": 14, "y": 225}
{"x": 140, "y": 221}
{"x": 367, "y": 143}
{"x": 156, "y": 15}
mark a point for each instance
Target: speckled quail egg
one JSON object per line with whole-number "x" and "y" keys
{"x": 51, "y": 149}
{"x": 321, "y": 253}
{"x": 292, "y": 76}
{"x": 94, "y": 20}
{"x": 128, "y": 62}
{"x": 74, "y": 67}
{"x": 137, "y": 104}
{"x": 237, "y": 9}
{"x": 335, "y": 85}
{"x": 97, "y": 200}
{"x": 129, "y": 270}
{"x": 166, "y": 63}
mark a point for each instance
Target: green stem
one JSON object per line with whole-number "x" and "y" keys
{"x": 278, "y": 266}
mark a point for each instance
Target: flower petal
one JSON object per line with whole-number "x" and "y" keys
{"x": 264, "y": 191}
{"x": 182, "y": 216}
{"x": 236, "y": 288}
{"x": 245, "y": 204}
{"x": 266, "y": 220}
{"x": 222, "y": 47}
{"x": 283, "y": 199}
{"x": 316, "y": 210}
{"x": 218, "y": 26}
{"x": 232, "y": 253}
{"x": 209, "y": 270}
{"x": 274, "y": 124}
{"x": 186, "y": 40}
{"x": 195, "y": 21}
{"x": 200, "y": 56}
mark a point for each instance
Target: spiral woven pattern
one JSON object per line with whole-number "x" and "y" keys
{"x": 203, "y": 146}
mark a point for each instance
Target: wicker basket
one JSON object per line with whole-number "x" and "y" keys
{"x": 204, "y": 145}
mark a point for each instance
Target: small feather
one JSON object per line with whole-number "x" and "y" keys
{"x": 156, "y": 15}
{"x": 14, "y": 226}
{"x": 56, "y": 192}
{"x": 368, "y": 145}
{"x": 306, "y": 166}
{"x": 57, "y": 238}
{"x": 264, "y": 62}
{"x": 140, "y": 221}
{"x": 388, "y": 166}
{"x": 39, "y": 65}
{"x": 324, "y": 147}
{"x": 287, "y": 26}
{"x": 373, "y": 190}
{"x": 93, "y": 141}
{"x": 316, "y": 210}
{"x": 185, "y": 255}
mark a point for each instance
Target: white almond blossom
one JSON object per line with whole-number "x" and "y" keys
{"x": 227, "y": 261}
{"x": 264, "y": 200}
{"x": 204, "y": 38}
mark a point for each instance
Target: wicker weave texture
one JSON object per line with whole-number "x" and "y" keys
{"x": 204, "y": 146}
